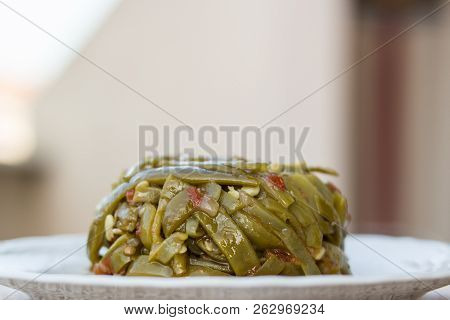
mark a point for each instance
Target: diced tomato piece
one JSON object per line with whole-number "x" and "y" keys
{"x": 333, "y": 188}
{"x": 194, "y": 195}
{"x": 130, "y": 195}
{"x": 103, "y": 267}
{"x": 276, "y": 180}
{"x": 138, "y": 229}
{"x": 283, "y": 255}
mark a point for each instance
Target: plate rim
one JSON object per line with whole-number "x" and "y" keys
{"x": 8, "y": 275}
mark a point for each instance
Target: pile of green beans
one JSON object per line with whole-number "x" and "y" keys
{"x": 171, "y": 218}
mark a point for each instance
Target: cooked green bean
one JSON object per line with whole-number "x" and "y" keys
{"x": 168, "y": 248}
{"x": 177, "y": 211}
{"x": 171, "y": 218}
{"x": 170, "y": 188}
{"x": 222, "y": 267}
{"x": 274, "y": 185}
{"x": 229, "y": 202}
{"x": 119, "y": 259}
{"x": 207, "y": 245}
{"x": 284, "y": 214}
{"x": 147, "y": 213}
{"x": 122, "y": 240}
{"x": 193, "y": 247}
{"x": 321, "y": 187}
{"x": 95, "y": 239}
{"x": 213, "y": 190}
{"x": 193, "y": 175}
{"x": 334, "y": 260}
{"x": 179, "y": 264}
{"x": 341, "y": 206}
{"x": 283, "y": 231}
{"x": 142, "y": 267}
{"x": 231, "y": 241}
{"x": 193, "y": 228}
{"x": 202, "y": 271}
{"x": 272, "y": 266}
{"x": 259, "y": 236}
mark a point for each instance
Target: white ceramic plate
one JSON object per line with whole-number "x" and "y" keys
{"x": 408, "y": 269}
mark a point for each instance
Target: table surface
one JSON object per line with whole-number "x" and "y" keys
{"x": 439, "y": 294}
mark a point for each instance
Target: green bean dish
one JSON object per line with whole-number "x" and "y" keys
{"x": 171, "y": 218}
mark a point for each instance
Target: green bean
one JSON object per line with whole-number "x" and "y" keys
{"x": 118, "y": 259}
{"x": 231, "y": 241}
{"x": 142, "y": 267}
{"x": 198, "y": 271}
{"x": 291, "y": 269}
{"x": 272, "y": 266}
{"x": 334, "y": 260}
{"x": 321, "y": 187}
{"x": 284, "y": 214}
{"x": 283, "y": 231}
{"x": 255, "y": 231}
{"x": 230, "y": 203}
{"x": 145, "y": 193}
{"x": 341, "y": 206}
{"x": 207, "y": 245}
{"x": 223, "y": 267}
{"x": 299, "y": 183}
{"x": 303, "y": 212}
{"x": 336, "y": 237}
{"x": 313, "y": 236}
{"x": 193, "y": 228}
{"x": 228, "y": 166}
{"x": 123, "y": 239}
{"x": 326, "y": 210}
{"x": 192, "y": 175}
{"x": 275, "y": 207}
{"x": 115, "y": 254}
{"x": 328, "y": 171}
{"x": 179, "y": 264}
{"x": 157, "y": 223}
{"x": 213, "y": 190}
{"x": 177, "y": 211}
{"x": 279, "y": 194}
{"x": 168, "y": 248}
{"x": 181, "y": 206}
{"x": 307, "y": 214}
{"x": 95, "y": 238}
{"x": 325, "y": 227}
{"x": 193, "y": 247}
{"x": 171, "y": 187}
{"x": 301, "y": 209}
{"x": 147, "y": 213}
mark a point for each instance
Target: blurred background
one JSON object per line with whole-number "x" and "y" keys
{"x": 68, "y": 126}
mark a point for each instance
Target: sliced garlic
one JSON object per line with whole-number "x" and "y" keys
{"x": 109, "y": 224}
{"x": 319, "y": 253}
{"x": 183, "y": 249}
{"x": 117, "y": 231}
{"x": 142, "y": 186}
{"x": 232, "y": 192}
{"x": 252, "y": 191}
